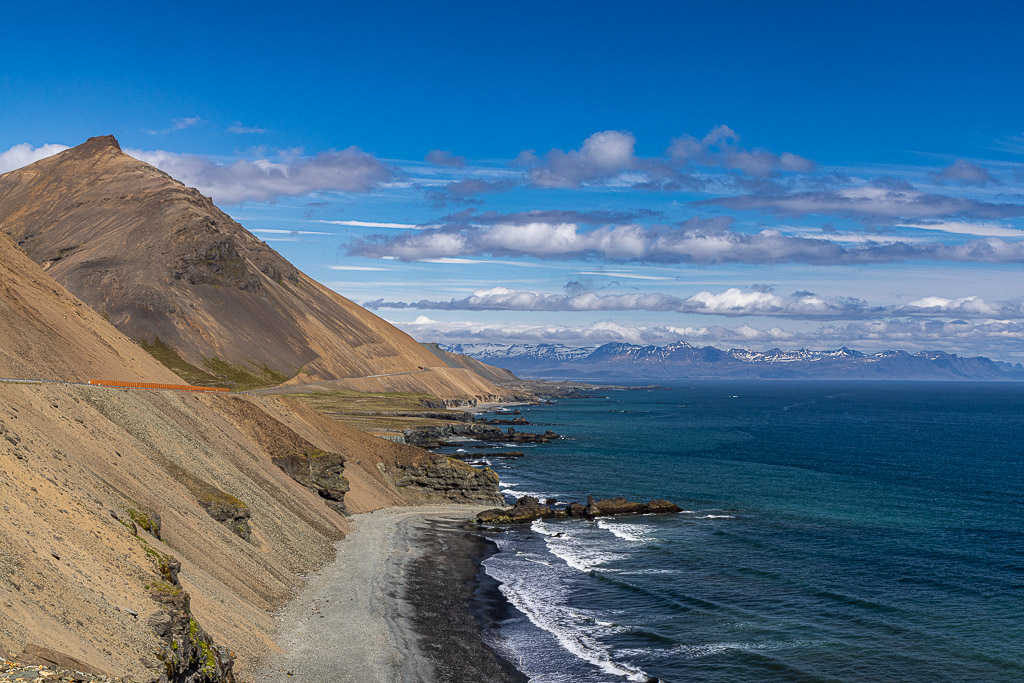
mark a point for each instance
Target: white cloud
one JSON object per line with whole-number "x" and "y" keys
{"x": 965, "y": 228}
{"x": 371, "y": 224}
{"x": 269, "y": 231}
{"x": 894, "y": 202}
{"x": 178, "y": 124}
{"x": 998, "y": 339}
{"x": 964, "y": 172}
{"x": 238, "y": 129}
{"x": 603, "y": 154}
{"x": 621, "y": 274}
{"x": 599, "y": 332}
{"x": 700, "y": 242}
{"x": 720, "y": 147}
{"x": 350, "y": 170}
{"x": 25, "y": 154}
{"x": 359, "y": 268}
{"x": 732, "y": 302}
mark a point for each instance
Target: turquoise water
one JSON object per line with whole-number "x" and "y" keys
{"x": 833, "y": 532}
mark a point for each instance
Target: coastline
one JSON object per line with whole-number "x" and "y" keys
{"x": 396, "y": 604}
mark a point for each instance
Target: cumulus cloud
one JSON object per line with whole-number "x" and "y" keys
{"x": 883, "y": 200}
{"x": 698, "y": 241}
{"x": 720, "y": 147}
{"x": 350, "y": 170}
{"x": 600, "y": 332}
{"x": 442, "y": 158}
{"x": 964, "y": 172}
{"x": 602, "y": 155}
{"x": 608, "y": 157}
{"x": 998, "y": 339}
{"x": 25, "y": 154}
{"x": 732, "y": 302}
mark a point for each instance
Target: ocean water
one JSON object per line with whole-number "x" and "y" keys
{"x": 833, "y": 532}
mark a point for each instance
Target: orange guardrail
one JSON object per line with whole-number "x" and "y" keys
{"x": 151, "y": 385}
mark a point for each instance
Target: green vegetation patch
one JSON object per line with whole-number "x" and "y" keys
{"x": 170, "y": 359}
{"x": 245, "y": 379}
{"x": 218, "y": 373}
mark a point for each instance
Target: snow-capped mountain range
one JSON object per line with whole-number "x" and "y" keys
{"x": 680, "y": 360}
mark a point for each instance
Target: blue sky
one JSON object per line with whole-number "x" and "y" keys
{"x": 729, "y": 173}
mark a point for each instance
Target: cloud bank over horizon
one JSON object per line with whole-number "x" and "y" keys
{"x": 923, "y": 254}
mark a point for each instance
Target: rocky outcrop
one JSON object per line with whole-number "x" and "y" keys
{"x": 490, "y": 455}
{"x": 448, "y": 479}
{"x": 514, "y": 421}
{"x": 320, "y": 471}
{"x": 231, "y": 512}
{"x": 188, "y": 653}
{"x": 435, "y": 436}
{"x": 528, "y": 509}
{"x": 314, "y": 468}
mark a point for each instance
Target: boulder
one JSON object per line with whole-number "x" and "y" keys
{"x": 528, "y": 508}
{"x": 620, "y": 506}
{"x": 660, "y": 506}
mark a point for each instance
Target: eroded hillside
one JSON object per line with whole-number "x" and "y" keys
{"x": 118, "y": 504}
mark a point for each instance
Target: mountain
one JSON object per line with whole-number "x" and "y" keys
{"x": 171, "y": 270}
{"x": 513, "y": 356}
{"x": 144, "y": 531}
{"x": 680, "y": 360}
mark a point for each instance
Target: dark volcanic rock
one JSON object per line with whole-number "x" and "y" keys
{"x": 513, "y": 421}
{"x": 319, "y": 470}
{"x": 452, "y": 480}
{"x": 231, "y": 512}
{"x": 528, "y": 508}
{"x": 524, "y": 511}
{"x": 498, "y": 454}
{"x": 436, "y": 436}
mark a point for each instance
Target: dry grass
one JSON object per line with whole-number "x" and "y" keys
{"x": 377, "y": 412}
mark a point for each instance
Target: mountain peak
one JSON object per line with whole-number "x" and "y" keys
{"x": 101, "y": 142}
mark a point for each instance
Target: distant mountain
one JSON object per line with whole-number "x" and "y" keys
{"x": 163, "y": 264}
{"x": 680, "y": 360}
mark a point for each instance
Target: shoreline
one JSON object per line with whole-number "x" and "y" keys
{"x": 398, "y": 603}
{"x": 491, "y": 407}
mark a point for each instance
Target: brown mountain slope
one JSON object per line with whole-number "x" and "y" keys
{"x": 160, "y": 261}
{"x": 46, "y": 333}
{"x": 85, "y": 470}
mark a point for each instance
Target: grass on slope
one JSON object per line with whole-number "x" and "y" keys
{"x": 381, "y": 412}
{"x": 221, "y": 373}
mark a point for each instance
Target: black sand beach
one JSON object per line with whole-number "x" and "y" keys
{"x": 454, "y": 603}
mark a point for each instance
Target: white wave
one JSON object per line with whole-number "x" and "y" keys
{"x": 717, "y": 517}
{"x": 636, "y": 533}
{"x": 577, "y": 552}
{"x": 707, "y": 649}
{"x": 541, "y": 600}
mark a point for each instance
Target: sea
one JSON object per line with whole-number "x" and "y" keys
{"x": 832, "y": 531}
